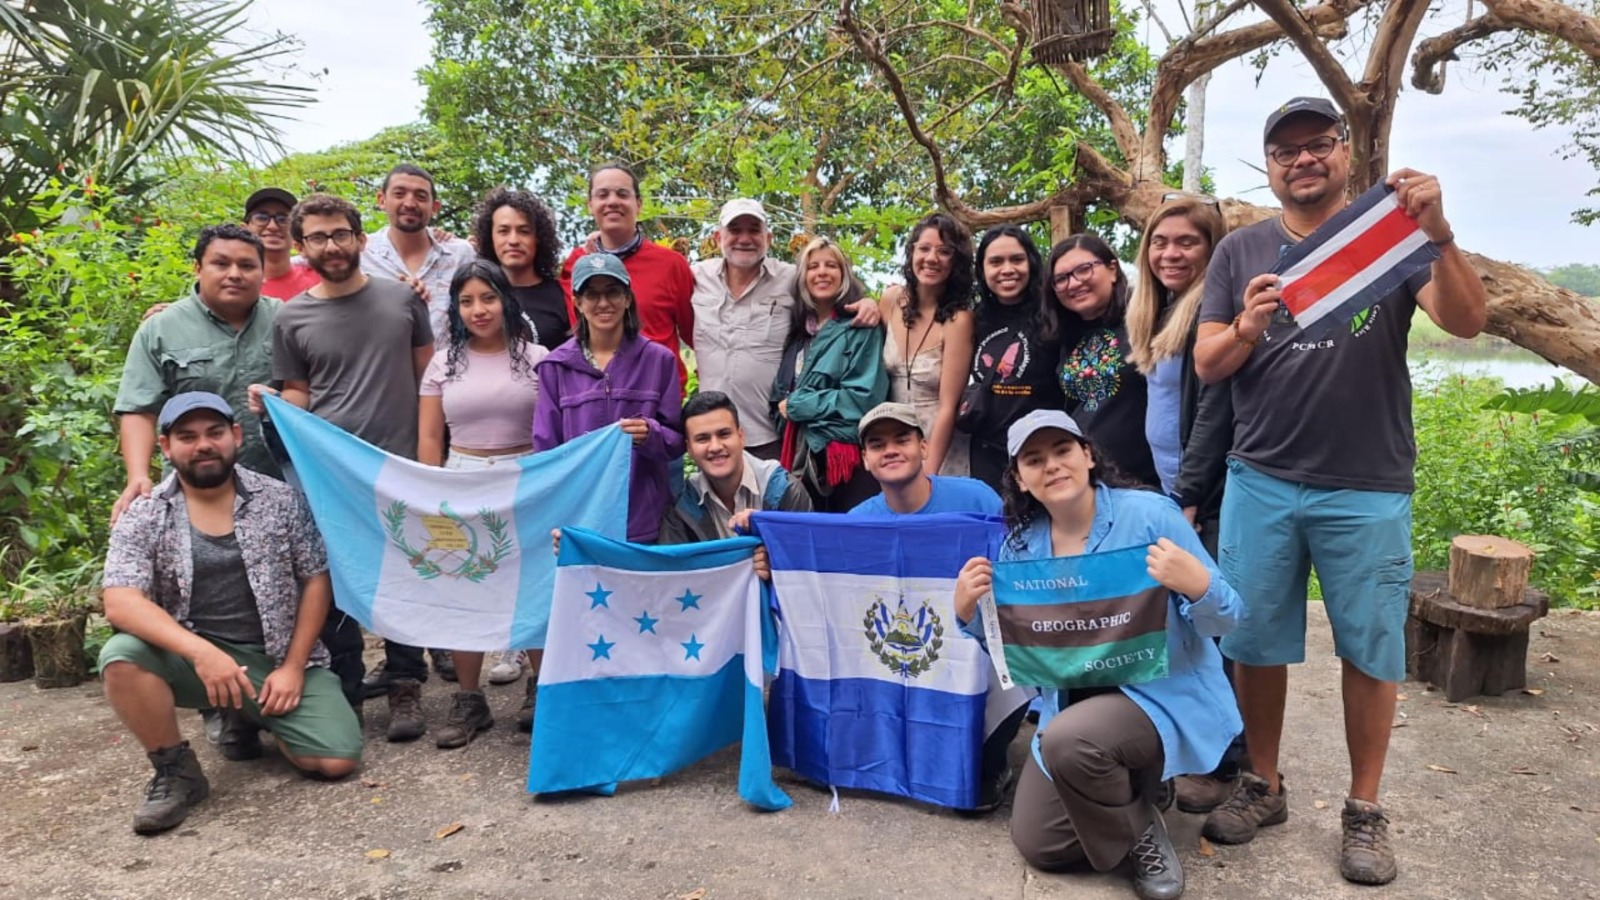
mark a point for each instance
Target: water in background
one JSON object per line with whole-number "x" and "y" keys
{"x": 1515, "y": 370}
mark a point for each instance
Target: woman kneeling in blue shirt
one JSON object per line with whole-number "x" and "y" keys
{"x": 1101, "y": 755}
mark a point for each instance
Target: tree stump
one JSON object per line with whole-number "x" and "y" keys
{"x": 1466, "y": 650}
{"x": 1488, "y": 572}
{"x": 16, "y": 656}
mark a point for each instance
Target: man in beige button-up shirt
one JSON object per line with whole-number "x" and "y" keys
{"x": 743, "y": 306}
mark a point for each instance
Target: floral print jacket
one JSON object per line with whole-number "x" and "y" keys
{"x": 278, "y": 541}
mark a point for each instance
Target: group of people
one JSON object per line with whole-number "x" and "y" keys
{"x": 1184, "y": 414}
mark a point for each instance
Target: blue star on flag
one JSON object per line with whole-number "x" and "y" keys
{"x": 602, "y": 647}
{"x": 689, "y": 599}
{"x": 691, "y": 648}
{"x": 598, "y": 596}
{"x": 646, "y": 623}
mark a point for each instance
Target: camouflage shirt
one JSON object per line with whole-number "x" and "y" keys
{"x": 150, "y": 552}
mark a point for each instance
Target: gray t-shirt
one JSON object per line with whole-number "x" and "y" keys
{"x": 355, "y": 352}
{"x": 1334, "y": 413}
{"x": 222, "y": 604}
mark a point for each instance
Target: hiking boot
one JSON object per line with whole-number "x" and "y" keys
{"x": 469, "y": 714}
{"x": 507, "y": 667}
{"x": 240, "y": 738}
{"x": 992, "y": 794}
{"x": 177, "y": 787}
{"x": 525, "y": 714}
{"x": 1202, "y": 793}
{"x": 1365, "y": 856}
{"x": 1251, "y": 805}
{"x": 405, "y": 710}
{"x": 444, "y": 664}
{"x": 376, "y": 683}
{"x": 212, "y": 718}
{"x": 1157, "y": 874}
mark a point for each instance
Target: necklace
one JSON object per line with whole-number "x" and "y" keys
{"x": 1292, "y": 233}
{"x": 910, "y": 360}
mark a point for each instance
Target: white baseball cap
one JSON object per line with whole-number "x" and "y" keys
{"x": 1034, "y": 422}
{"x": 743, "y": 206}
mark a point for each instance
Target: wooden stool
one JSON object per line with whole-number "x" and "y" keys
{"x": 1465, "y": 650}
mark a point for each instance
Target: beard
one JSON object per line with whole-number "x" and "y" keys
{"x": 409, "y": 226}
{"x": 206, "y": 471}
{"x": 335, "y": 269}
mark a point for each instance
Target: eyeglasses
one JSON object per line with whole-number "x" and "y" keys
{"x": 1081, "y": 272}
{"x": 1207, "y": 199}
{"x": 316, "y": 241}
{"x": 261, "y": 219}
{"x": 614, "y": 296}
{"x": 942, "y": 251}
{"x": 1321, "y": 148}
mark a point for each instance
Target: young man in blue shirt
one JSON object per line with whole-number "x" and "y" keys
{"x": 893, "y": 450}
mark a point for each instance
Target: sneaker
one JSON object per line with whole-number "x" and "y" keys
{"x": 1202, "y": 793}
{"x": 405, "y": 710}
{"x": 525, "y": 714}
{"x": 240, "y": 738}
{"x": 376, "y": 683}
{"x": 1157, "y": 873}
{"x": 992, "y": 795}
{"x": 1251, "y": 805}
{"x": 507, "y": 667}
{"x": 444, "y": 664}
{"x": 469, "y": 714}
{"x": 1365, "y": 856}
{"x": 212, "y": 718}
{"x": 177, "y": 787}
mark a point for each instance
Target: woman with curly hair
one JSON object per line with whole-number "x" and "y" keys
{"x": 1092, "y": 791}
{"x": 1085, "y": 309}
{"x": 516, "y": 230}
{"x": 484, "y": 389}
{"x": 928, "y": 353}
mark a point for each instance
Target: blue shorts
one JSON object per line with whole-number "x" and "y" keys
{"x": 1275, "y": 531}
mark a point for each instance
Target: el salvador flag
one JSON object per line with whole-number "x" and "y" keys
{"x": 444, "y": 558}
{"x": 653, "y": 663}
{"x": 878, "y": 687}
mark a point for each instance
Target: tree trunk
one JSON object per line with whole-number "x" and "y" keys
{"x": 1194, "y": 135}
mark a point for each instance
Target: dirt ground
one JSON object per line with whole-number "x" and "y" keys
{"x": 1495, "y": 797}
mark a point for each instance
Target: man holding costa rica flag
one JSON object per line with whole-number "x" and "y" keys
{"x": 1307, "y": 313}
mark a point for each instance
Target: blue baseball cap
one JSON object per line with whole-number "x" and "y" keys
{"x": 1037, "y": 421}
{"x": 600, "y": 263}
{"x": 182, "y": 404}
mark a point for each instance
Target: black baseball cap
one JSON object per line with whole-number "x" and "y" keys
{"x": 1310, "y": 106}
{"x": 269, "y": 193}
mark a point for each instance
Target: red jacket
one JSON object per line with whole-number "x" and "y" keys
{"x": 662, "y": 286}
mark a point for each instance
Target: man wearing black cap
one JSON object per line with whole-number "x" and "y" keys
{"x": 1321, "y": 472}
{"x": 266, "y": 214}
{"x": 217, "y": 584}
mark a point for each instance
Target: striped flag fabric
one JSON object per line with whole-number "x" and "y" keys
{"x": 654, "y": 662}
{"x": 443, "y": 558}
{"x": 878, "y": 686}
{"x": 1095, "y": 620}
{"x": 1358, "y": 257}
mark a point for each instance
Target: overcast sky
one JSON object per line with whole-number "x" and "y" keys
{"x": 1507, "y": 192}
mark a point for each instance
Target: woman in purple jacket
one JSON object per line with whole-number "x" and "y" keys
{"x": 607, "y": 373}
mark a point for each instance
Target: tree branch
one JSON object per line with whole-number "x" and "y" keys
{"x": 1386, "y": 59}
{"x": 1555, "y": 19}
{"x": 1427, "y": 63}
{"x": 1122, "y": 128}
{"x": 1304, "y": 37}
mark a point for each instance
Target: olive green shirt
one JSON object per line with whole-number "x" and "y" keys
{"x": 187, "y": 347}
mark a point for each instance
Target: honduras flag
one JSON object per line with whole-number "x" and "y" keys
{"x": 442, "y": 558}
{"x": 878, "y": 687}
{"x": 653, "y": 663}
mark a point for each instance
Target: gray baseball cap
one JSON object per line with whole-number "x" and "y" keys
{"x": 904, "y": 413}
{"x": 1034, "y": 422}
{"x": 181, "y": 405}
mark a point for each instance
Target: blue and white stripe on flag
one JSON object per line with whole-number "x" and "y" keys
{"x": 878, "y": 687}
{"x": 447, "y": 558}
{"x": 653, "y": 663}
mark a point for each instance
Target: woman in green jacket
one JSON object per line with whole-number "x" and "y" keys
{"x": 831, "y": 374}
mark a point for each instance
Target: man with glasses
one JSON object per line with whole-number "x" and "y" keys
{"x": 1321, "y": 473}
{"x": 352, "y": 349}
{"x": 266, "y": 214}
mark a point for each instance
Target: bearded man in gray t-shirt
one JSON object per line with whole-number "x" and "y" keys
{"x": 1321, "y": 472}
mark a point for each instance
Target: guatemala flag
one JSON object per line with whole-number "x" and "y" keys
{"x": 878, "y": 687}
{"x": 441, "y": 558}
{"x": 653, "y": 663}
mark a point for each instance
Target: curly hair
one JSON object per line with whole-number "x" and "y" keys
{"x": 322, "y": 205}
{"x": 519, "y": 333}
{"x": 1022, "y": 509}
{"x": 1054, "y": 319}
{"x": 547, "y": 246}
{"x": 958, "y": 289}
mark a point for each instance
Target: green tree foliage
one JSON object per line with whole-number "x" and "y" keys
{"x": 716, "y": 98}
{"x": 92, "y": 89}
{"x": 1584, "y": 279}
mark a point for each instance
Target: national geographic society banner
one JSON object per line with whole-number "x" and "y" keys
{"x": 1096, "y": 620}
